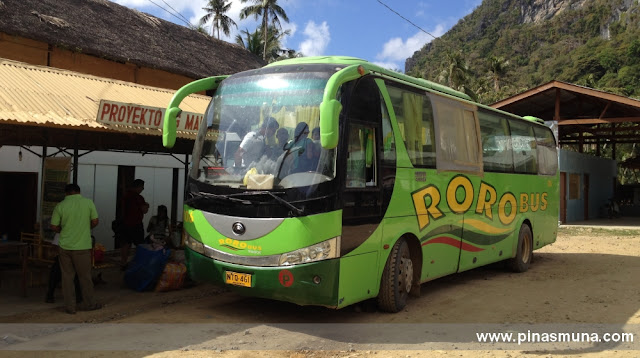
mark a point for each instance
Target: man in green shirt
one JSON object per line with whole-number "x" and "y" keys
{"x": 73, "y": 218}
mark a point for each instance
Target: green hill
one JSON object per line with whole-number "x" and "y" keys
{"x": 507, "y": 46}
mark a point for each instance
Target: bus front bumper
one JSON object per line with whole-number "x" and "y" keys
{"x": 314, "y": 283}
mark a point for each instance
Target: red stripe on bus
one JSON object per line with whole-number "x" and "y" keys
{"x": 453, "y": 242}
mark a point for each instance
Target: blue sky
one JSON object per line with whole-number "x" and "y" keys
{"x": 360, "y": 28}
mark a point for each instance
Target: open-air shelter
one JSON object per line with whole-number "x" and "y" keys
{"x": 587, "y": 120}
{"x": 52, "y": 113}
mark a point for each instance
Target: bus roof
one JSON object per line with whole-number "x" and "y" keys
{"x": 348, "y": 61}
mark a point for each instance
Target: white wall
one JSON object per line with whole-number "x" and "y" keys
{"x": 97, "y": 178}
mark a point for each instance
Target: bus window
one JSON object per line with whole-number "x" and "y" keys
{"x": 388, "y": 141}
{"x": 414, "y": 115}
{"x": 458, "y": 144}
{"x": 361, "y": 157}
{"x": 523, "y": 140}
{"x": 364, "y": 98}
{"x": 547, "y": 153}
{"x": 497, "y": 155}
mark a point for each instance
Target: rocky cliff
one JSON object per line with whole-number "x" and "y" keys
{"x": 492, "y": 16}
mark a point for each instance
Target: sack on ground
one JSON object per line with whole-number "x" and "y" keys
{"x": 146, "y": 267}
{"x": 172, "y": 277}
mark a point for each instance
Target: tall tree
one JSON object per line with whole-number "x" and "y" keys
{"x": 251, "y": 41}
{"x": 254, "y": 43}
{"x": 497, "y": 70}
{"x": 270, "y": 12}
{"x": 216, "y": 10}
{"x": 456, "y": 73}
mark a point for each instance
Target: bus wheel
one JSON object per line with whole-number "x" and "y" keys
{"x": 524, "y": 252}
{"x": 397, "y": 279}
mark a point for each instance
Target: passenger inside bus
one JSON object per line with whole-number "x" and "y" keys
{"x": 255, "y": 144}
{"x": 302, "y": 149}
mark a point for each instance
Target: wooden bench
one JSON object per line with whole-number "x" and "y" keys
{"x": 40, "y": 251}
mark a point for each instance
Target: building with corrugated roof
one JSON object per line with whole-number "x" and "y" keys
{"x": 63, "y": 63}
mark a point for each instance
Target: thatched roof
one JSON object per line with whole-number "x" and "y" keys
{"x": 111, "y": 31}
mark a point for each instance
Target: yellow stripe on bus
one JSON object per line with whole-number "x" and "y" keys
{"x": 485, "y": 227}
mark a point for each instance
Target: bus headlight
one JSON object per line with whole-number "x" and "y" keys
{"x": 321, "y": 251}
{"x": 194, "y": 245}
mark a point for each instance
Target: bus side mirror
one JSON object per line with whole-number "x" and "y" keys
{"x": 169, "y": 127}
{"x": 329, "y": 112}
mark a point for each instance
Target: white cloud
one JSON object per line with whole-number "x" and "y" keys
{"x": 389, "y": 65}
{"x": 291, "y": 26}
{"x": 317, "y": 39}
{"x": 397, "y": 49}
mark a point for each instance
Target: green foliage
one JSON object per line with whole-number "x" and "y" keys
{"x": 589, "y": 45}
{"x": 270, "y": 12}
{"x": 254, "y": 43}
{"x": 215, "y": 12}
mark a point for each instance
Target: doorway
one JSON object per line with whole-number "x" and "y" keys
{"x": 19, "y": 199}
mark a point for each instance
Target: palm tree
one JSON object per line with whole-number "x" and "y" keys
{"x": 216, "y": 9}
{"x": 198, "y": 27}
{"x": 457, "y": 74}
{"x": 254, "y": 43}
{"x": 251, "y": 41}
{"x": 270, "y": 12}
{"x": 497, "y": 70}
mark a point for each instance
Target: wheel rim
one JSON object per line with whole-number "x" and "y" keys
{"x": 526, "y": 248}
{"x": 407, "y": 273}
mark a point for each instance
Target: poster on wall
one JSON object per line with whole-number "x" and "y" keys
{"x": 55, "y": 178}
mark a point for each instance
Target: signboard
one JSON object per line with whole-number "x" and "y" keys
{"x": 139, "y": 116}
{"x": 55, "y": 178}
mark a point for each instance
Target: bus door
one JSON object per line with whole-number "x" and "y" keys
{"x": 459, "y": 159}
{"x": 425, "y": 213}
{"x": 361, "y": 189}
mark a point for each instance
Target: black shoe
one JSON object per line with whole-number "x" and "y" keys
{"x": 50, "y": 300}
{"x": 70, "y": 311}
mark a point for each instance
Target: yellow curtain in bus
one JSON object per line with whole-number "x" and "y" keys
{"x": 308, "y": 114}
{"x": 412, "y": 108}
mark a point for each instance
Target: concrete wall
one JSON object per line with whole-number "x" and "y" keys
{"x": 97, "y": 178}
{"x": 602, "y": 173}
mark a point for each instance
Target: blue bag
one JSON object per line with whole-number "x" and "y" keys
{"x": 146, "y": 267}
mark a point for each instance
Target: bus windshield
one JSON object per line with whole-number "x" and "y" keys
{"x": 262, "y": 132}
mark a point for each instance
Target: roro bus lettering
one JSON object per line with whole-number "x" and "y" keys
{"x": 427, "y": 201}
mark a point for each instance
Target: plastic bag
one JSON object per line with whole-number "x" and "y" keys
{"x": 146, "y": 267}
{"x": 98, "y": 253}
{"x": 172, "y": 277}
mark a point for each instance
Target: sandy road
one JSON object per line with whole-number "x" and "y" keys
{"x": 586, "y": 281}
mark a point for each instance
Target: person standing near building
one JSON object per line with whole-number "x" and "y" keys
{"x": 73, "y": 218}
{"x": 134, "y": 209}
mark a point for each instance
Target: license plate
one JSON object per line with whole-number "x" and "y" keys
{"x": 238, "y": 279}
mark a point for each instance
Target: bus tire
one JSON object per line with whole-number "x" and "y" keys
{"x": 524, "y": 252}
{"x": 397, "y": 278}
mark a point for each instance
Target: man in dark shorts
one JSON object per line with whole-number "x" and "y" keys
{"x": 132, "y": 228}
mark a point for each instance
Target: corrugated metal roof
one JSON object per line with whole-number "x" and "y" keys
{"x": 47, "y": 96}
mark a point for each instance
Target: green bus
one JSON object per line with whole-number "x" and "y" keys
{"x": 330, "y": 180}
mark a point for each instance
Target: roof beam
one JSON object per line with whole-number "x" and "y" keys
{"x": 566, "y": 122}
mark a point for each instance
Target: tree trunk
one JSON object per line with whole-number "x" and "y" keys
{"x": 264, "y": 29}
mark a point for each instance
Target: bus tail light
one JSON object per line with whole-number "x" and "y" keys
{"x": 328, "y": 249}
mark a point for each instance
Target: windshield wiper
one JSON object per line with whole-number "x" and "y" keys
{"x": 199, "y": 195}
{"x": 273, "y": 195}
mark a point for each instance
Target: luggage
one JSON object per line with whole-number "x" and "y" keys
{"x": 145, "y": 269}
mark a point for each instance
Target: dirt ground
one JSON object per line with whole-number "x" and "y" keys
{"x": 589, "y": 277}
